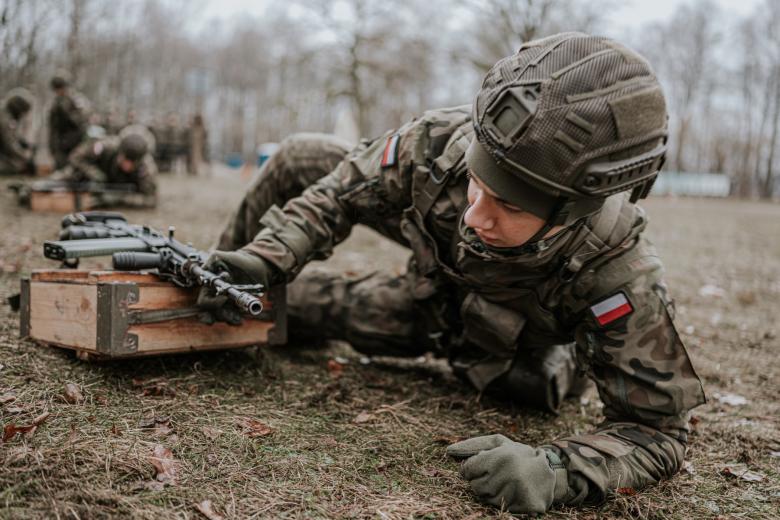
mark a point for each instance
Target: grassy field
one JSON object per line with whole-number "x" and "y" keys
{"x": 283, "y": 433}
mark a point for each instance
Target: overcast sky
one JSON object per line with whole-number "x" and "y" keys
{"x": 630, "y": 15}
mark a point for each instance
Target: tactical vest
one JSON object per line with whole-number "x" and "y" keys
{"x": 505, "y": 302}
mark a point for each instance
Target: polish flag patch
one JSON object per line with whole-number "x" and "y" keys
{"x": 614, "y": 307}
{"x": 390, "y": 155}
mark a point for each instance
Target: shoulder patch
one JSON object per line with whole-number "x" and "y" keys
{"x": 611, "y": 308}
{"x": 390, "y": 155}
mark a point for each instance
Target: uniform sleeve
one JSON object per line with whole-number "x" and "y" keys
{"x": 147, "y": 176}
{"x": 645, "y": 379}
{"x": 359, "y": 190}
{"x": 11, "y": 144}
{"x": 84, "y": 160}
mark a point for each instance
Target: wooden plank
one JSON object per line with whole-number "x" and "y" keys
{"x": 58, "y": 275}
{"x": 63, "y": 313}
{"x": 165, "y": 296}
{"x": 58, "y": 201}
{"x": 127, "y": 277}
{"x": 190, "y": 334}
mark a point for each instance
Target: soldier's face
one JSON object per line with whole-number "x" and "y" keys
{"x": 497, "y": 222}
{"x": 126, "y": 165}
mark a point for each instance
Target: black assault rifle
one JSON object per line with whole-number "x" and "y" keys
{"x": 25, "y": 190}
{"x": 134, "y": 248}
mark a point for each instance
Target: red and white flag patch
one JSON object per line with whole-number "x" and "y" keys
{"x": 390, "y": 155}
{"x": 608, "y": 310}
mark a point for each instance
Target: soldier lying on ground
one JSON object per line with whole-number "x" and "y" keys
{"x": 114, "y": 160}
{"x": 68, "y": 119}
{"x": 16, "y": 154}
{"x": 530, "y": 263}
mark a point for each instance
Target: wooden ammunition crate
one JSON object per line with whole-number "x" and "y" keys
{"x": 114, "y": 314}
{"x": 60, "y": 201}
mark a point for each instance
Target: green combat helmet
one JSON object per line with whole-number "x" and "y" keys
{"x": 18, "y": 102}
{"x": 133, "y": 147}
{"x": 566, "y": 122}
{"x": 61, "y": 79}
{"x": 143, "y": 131}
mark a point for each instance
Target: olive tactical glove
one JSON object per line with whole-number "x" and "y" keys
{"x": 240, "y": 267}
{"x": 511, "y": 475}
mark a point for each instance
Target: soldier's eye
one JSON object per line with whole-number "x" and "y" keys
{"x": 511, "y": 209}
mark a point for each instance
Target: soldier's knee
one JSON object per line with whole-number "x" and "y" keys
{"x": 308, "y": 145}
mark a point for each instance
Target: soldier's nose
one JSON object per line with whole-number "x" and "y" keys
{"x": 478, "y": 216}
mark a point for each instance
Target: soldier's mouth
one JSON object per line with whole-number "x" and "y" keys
{"x": 488, "y": 239}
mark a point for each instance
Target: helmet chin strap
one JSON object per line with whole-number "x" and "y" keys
{"x": 557, "y": 217}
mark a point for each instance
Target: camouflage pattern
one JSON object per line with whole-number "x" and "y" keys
{"x": 16, "y": 154}
{"x": 478, "y": 306}
{"x": 68, "y": 122}
{"x": 97, "y": 161}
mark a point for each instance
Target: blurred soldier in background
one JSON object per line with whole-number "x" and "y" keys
{"x": 197, "y": 145}
{"x": 16, "y": 154}
{"x": 119, "y": 161}
{"x": 68, "y": 119}
{"x": 530, "y": 266}
{"x": 112, "y": 122}
{"x": 172, "y": 143}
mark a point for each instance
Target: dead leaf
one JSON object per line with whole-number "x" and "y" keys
{"x": 775, "y": 454}
{"x": 14, "y": 410}
{"x": 206, "y": 508}
{"x": 165, "y": 465}
{"x": 160, "y": 425}
{"x": 335, "y": 368}
{"x": 211, "y": 433}
{"x": 363, "y": 417}
{"x": 10, "y": 430}
{"x": 40, "y": 419}
{"x": 160, "y": 389}
{"x": 115, "y": 431}
{"x": 7, "y": 398}
{"x": 72, "y": 394}
{"x": 446, "y": 441}
{"x": 626, "y": 491}
{"x": 688, "y": 467}
{"x": 253, "y": 427}
{"x": 741, "y": 471}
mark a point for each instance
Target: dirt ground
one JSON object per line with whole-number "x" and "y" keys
{"x": 355, "y": 440}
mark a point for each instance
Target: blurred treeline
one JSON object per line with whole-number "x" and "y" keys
{"x": 314, "y": 65}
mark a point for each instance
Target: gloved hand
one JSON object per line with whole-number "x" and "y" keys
{"x": 242, "y": 268}
{"x": 511, "y": 475}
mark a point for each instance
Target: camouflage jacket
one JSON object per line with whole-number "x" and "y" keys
{"x": 97, "y": 161}
{"x": 14, "y": 153}
{"x": 410, "y": 185}
{"x": 67, "y": 122}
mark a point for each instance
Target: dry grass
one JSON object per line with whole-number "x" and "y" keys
{"x": 92, "y": 459}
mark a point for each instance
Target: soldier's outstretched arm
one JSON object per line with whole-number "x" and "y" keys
{"x": 359, "y": 189}
{"x": 83, "y": 159}
{"x": 645, "y": 379}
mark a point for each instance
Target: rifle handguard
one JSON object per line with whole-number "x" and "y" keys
{"x": 128, "y": 261}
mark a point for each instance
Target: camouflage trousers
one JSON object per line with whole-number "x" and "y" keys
{"x": 376, "y": 312}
